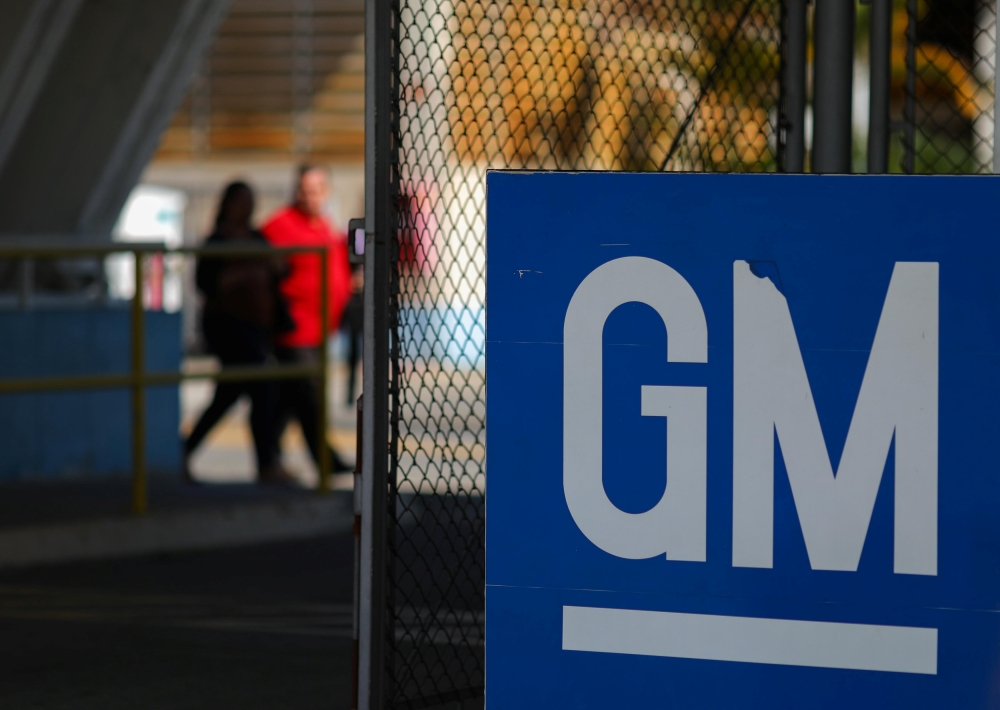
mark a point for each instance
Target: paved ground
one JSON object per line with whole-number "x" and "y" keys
{"x": 25, "y": 503}
{"x": 267, "y": 626}
{"x": 256, "y": 627}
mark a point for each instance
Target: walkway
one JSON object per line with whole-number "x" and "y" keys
{"x": 254, "y": 627}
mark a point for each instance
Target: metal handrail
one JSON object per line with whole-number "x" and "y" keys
{"x": 138, "y": 379}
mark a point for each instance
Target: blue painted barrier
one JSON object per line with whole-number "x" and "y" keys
{"x": 64, "y": 434}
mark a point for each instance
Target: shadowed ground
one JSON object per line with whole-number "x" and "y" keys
{"x": 256, "y": 627}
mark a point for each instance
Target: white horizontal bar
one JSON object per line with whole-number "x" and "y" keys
{"x": 743, "y": 639}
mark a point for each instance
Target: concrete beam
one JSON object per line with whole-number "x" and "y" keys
{"x": 111, "y": 86}
{"x": 152, "y": 112}
{"x": 33, "y": 31}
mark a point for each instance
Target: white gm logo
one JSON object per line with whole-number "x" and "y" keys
{"x": 771, "y": 393}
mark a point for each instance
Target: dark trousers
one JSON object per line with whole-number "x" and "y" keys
{"x": 299, "y": 399}
{"x": 238, "y": 344}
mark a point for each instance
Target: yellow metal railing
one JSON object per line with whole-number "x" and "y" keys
{"x": 138, "y": 379}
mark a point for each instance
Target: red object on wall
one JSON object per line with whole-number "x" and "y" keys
{"x": 153, "y": 283}
{"x": 419, "y": 228}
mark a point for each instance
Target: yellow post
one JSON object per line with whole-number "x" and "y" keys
{"x": 324, "y": 311}
{"x": 139, "y": 492}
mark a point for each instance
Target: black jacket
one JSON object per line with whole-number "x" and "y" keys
{"x": 245, "y": 289}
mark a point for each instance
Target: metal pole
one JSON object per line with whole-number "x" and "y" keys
{"x": 139, "y": 491}
{"x": 833, "y": 72}
{"x": 379, "y": 98}
{"x": 358, "y": 466}
{"x": 795, "y": 85}
{"x": 323, "y": 447}
{"x": 880, "y": 56}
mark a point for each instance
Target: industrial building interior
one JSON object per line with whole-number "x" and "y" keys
{"x": 120, "y": 124}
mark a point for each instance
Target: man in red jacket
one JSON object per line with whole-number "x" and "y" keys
{"x": 303, "y": 224}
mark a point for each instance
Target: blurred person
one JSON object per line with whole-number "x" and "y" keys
{"x": 302, "y": 224}
{"x": 244, "y": 310}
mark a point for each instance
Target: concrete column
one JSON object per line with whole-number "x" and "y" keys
{"x": 86, "y": 89}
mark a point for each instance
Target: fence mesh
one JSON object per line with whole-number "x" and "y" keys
{"x": 543, "y": 84}
{"x": 949, "y": 99}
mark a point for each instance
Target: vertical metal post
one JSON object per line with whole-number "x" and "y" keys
{"x": 358, "y": 466}
{"x": 139, "y": 490}
{"x": 833, "y": 74}
{"x": 379, "y": 96}
{"x": 910, "y": 105}
{"x": 796, "y": 27}
{"x": 323, "y": 448}
{"x": 880, "y": 56}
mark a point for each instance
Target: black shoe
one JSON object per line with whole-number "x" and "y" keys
{"x": 277, "y": 475}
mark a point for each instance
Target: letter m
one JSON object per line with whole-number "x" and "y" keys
{"x": 898, "y": 399}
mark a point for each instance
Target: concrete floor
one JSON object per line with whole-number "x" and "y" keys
{"x": 267, "y": 626}
{"x": 255, "y": 627}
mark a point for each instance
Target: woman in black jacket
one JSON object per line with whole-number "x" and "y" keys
{"x": 243, "y": 311}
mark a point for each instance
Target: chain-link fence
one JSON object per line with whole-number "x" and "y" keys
{"x": 948, "y": 91}
{"x": 543, "y": 84}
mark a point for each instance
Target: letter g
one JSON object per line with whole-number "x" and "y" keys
{"x": 675, "y": 526}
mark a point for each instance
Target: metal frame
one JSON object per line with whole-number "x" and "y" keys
{"x": 380, "y": 189}
{"x": 138, "y": 379}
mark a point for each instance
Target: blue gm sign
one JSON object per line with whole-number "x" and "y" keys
{"x": 743, "y": 438}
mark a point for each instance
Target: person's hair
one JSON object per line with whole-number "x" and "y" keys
{"x": 232, "y": 192}
{"x": 300, "y": 172}
{"x": 304, "y": 168}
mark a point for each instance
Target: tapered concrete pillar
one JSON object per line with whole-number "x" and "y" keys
{"x": 86, "y": 89}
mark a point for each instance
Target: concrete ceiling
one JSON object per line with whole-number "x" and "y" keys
{"x": 283, "y": 80}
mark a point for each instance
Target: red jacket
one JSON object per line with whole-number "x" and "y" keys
{"x": 290, "y": 228}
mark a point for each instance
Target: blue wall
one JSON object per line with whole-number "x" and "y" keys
{"x": 84, "y": 433}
